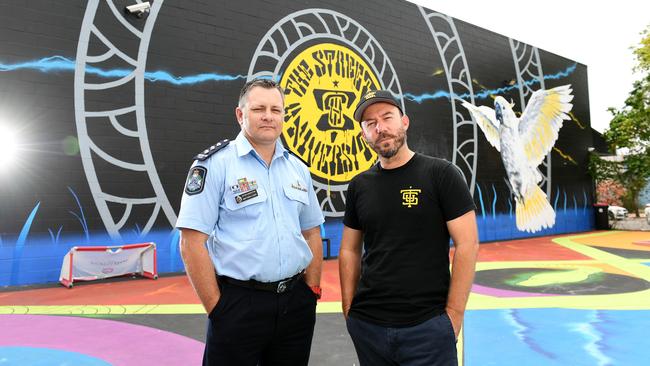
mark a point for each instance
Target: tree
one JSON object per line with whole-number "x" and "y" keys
{"x": 629, "y": 131}
{"x": 642, "y": 52}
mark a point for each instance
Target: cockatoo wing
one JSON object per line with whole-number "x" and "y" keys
{"x": 542, "y": 119}
{"x": 486, "y": 119}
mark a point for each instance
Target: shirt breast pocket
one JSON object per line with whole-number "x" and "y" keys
{"x": 249, "y": 204}
{"x": 298, "y": 196}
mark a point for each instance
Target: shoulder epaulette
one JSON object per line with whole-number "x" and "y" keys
{"x": 298, "y": 157}
{"x": 211, "y": 150}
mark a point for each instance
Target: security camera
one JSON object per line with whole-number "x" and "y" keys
{"x": 138, "y": 9}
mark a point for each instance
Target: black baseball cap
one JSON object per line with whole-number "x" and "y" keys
{"x": 372, "y": 97}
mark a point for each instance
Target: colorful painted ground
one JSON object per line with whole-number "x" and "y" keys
{"x": 567, "y": 300}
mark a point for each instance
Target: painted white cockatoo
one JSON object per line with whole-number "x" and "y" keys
{"x": 524, "y": 143}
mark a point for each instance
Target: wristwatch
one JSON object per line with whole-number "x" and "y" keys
{"x": 317, "y": 291}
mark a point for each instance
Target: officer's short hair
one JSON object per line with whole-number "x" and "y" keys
{"x": 263, "y": 83}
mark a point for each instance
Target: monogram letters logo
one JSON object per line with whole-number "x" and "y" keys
{"x": 410, "y": 197}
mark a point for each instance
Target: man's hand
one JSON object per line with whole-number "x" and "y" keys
{"x": 464, "y": 233}
{"x": 456, "y": 318}
{"x": 349, "y": 266}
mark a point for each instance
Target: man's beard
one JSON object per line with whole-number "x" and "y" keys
{"x": 388, "y": 151}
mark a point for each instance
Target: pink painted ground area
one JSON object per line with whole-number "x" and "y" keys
{"x": 115, "y": 342}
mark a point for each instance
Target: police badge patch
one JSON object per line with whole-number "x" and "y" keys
{"x": 195, "y": 180}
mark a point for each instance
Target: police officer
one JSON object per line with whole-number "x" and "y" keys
{"x": 253, "y": 202}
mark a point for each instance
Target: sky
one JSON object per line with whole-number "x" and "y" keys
{"x": 599, "y": 37}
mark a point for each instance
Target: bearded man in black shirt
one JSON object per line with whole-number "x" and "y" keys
{"x": 402, "y": 306}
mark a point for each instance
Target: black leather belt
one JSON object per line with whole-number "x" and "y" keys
{"x": 278, "y": 286}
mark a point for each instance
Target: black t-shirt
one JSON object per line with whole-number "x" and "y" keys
{"x": 403, "y": 214}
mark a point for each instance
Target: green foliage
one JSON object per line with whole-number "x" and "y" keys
{"x": 629, "y": 130}
{"x": 642, "y": 52}
{"x": 630, "y": 126}
{"x": 601, "y": 169}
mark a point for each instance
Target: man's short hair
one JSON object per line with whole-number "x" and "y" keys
{"x": 262, "y": 83}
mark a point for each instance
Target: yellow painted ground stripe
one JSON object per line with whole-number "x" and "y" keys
{"x": 637, "y": 269}
{"x": 628, "y": 301}
{"x": 328, "y": 307}
{"x": 321, "y": 308}
{"x": 554, "y": 262}
{"x": 104, "y": 309}
{"x": 639, "y": 300}
{"x": 481, "y": 266}
{"x": 603, "y": 233}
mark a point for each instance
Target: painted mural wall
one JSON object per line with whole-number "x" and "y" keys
{"x": 107, "y": 110}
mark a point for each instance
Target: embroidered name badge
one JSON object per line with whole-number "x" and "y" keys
{"x": 410, "y": 197}
{"x": 196, "y": 180}
{"x": 246, "y": 196}
{"x": 244, "y": 190}
{"x": 298, "y": 186}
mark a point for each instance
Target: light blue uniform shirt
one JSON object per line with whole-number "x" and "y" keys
{"x": 254, "y": 214}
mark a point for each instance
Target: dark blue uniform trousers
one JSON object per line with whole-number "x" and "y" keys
{"x": 251, "y": 327}
{"x": 430, "y": 343}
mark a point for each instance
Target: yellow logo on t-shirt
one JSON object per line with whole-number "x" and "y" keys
{"x": 410, "y": 197}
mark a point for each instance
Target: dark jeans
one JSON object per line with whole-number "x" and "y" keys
{"x": 432, "y": 342}
{"x": 251, "y": 327}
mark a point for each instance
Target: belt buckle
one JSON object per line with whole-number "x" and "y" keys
{"x": 282, "y": 286}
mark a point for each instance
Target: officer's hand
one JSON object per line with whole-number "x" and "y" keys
{"x": 346, "y": 310}
{"x": 211, "y": 307}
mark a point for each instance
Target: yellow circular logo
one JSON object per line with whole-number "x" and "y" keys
{"x": 323, "y": 85}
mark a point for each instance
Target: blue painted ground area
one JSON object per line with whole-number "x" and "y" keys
{"x": 31, "y": 356}
{"x": 556, "y": 337}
